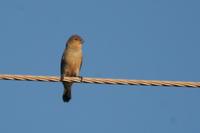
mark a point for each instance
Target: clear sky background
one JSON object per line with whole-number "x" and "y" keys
{"x": 141, "y": 39}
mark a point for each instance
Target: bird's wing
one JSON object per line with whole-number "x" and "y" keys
{"x": 62, "y": 65}
{"x": 81, "y": 62}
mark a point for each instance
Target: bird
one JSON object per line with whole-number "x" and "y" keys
{"x": 71, "y": 63}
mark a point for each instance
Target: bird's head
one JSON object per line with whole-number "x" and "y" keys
{"x": 75, "y": 41}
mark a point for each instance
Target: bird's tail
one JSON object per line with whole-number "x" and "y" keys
{"x": 67, "y": 92}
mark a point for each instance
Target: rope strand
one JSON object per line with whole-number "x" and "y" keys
{"x": 101, "y": 81}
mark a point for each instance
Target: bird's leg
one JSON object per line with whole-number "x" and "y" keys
{"x": 62, "y": 77}
{"x": 80, "y": 78}
{"x": 78, "y": 75}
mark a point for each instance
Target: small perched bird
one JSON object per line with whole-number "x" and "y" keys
{"x": 71, "y": 63}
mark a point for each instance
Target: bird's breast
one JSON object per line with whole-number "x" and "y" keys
{"x": 73, "y": 60}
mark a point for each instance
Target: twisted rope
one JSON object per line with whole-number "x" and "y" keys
{"x": 101, "y": 81}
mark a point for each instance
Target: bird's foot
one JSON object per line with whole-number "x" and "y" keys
{"x": 80, "y": 78}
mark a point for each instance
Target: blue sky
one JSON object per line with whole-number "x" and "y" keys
{"x": 142, "y": 39}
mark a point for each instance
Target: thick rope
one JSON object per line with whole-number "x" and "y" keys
{"x": 101, "y": 81}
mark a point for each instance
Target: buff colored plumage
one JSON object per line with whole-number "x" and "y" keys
{"x": 71, "y": 63}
